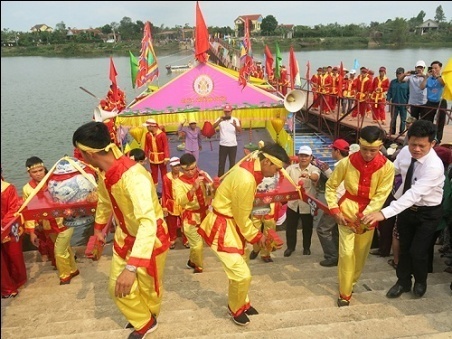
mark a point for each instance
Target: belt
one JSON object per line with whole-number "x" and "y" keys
{"x": 415, "y": 208}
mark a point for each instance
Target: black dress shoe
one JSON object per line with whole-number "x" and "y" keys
{"x": 328, "y": 263}
{"x": 419, "y": 289}
{"x": 288, "y": 252}
{"x": 306, "y": 252}
{"x": 375, "y": 252}
{"x": 253, "y": 255}
{"x": 397, "y": 290}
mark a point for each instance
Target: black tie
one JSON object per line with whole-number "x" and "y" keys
{"x": 409, "y": 176}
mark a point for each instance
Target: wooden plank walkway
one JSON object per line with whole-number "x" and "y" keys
{"x": 336, "y": 124}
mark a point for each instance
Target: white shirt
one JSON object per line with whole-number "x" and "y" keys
{"x": 417, "y": 96}
{"x": 295, "y": 172}
{"x": 228, "y": 135}
{"x": 426, "y": 187}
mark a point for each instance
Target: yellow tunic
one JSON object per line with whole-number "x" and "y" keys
{"x": 229, "y": 226}
{"x": 141, "y": 236}
{"x": 233, "y": 203}
{"x": 367, "y": 186}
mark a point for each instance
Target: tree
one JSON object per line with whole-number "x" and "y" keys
{"x": 106, "y": 29}
{"x": 399, "y": 31}
{"x": 269, "y": 25}
{"x": 440, "y": 16}
{"x": 61, "y": 26}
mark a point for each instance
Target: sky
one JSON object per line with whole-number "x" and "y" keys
{"x": 22, "y": 15}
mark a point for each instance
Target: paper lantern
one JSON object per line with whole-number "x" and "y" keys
{"x": 278, "y": 124}
{"x": 137, "y": 133}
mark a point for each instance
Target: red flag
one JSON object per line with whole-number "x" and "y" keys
{"x": 340, "y": 84}
{"x": 112, "y": 76}
{"x": 268, "y": 62}
{"x": 202, "y": 37}
{"x": 113, "y": 72}
{"x": 293, "y": 67}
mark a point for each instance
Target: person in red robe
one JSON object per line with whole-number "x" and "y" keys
{"x": 14, "y": 273}
{"x": 315, "y": 85}
{"x": 361, "y": 86}
{"x": 157, "y": 149}
{"x": 284, "y": 80}
{"x": 379, "y": 88}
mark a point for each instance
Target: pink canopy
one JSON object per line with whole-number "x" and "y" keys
{"x": 204, "y": 87}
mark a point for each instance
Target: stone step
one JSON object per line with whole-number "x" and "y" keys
{"x": 295, "y": 296}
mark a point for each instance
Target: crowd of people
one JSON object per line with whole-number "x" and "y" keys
{"x": 417, "y": 91}
{"x": 219, "y": 212}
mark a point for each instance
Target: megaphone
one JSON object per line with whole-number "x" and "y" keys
{"x": 295, "y": 100}
{"x": 100, "y": 115}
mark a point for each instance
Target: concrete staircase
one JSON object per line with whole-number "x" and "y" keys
{"x": 295, "y": 296}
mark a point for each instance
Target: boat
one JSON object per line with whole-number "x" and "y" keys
{"x": 178, "y": 68}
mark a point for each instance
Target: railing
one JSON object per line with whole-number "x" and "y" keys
{"x": 333, "y": 123}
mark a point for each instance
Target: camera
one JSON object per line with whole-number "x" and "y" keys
{"x": 226, "y": 118}
{"x": 412, "y": 72}
{"x": 429, "y": 70}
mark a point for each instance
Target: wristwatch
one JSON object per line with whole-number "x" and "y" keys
{"x": 131, "y": 268}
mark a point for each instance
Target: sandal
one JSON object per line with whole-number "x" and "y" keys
{"x": 392, "y": 263}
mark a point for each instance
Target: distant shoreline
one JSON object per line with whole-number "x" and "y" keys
{"x": 123, "y": 48}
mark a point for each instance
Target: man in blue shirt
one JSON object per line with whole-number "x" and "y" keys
{"x": 435, "y": 105}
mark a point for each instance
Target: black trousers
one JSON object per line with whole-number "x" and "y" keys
{"x": 307, "y": 223}
{"x": 416, "y": 231}
{"x": 224, "y": 153}
{"x": 436, "y": 108}
{"x": 385, "y": 229}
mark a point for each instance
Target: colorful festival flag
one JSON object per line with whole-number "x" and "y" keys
{"x": 202, "y": 37}
{"x": 278, "y": 62}
{"x": 133, "y": 68}
{"x": 246, "y": 59}
{"x": 147, "y": 62}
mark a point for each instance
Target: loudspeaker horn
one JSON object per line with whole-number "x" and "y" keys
{"x": 295, "y": 100}
{"x": 100, "y": 115}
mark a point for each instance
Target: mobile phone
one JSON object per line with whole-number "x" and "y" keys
{"x": 429, "y": 69}
{"x": 412, "y": 72}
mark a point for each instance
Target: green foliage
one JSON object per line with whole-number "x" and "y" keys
{"x": 398, "y": 32}
{"x": 440, "y": 16}
{"x": 269, "y": 25}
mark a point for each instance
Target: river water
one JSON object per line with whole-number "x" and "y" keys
{"x": 42, "y": 103}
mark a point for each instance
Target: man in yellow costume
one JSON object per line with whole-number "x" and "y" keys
{"x": 229, "y": 227}
{"x": 192, "y": 192}
{"x": 368, "y": 178}
{"x": 141, "y": 239}
{"x": 59, "y": 236}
